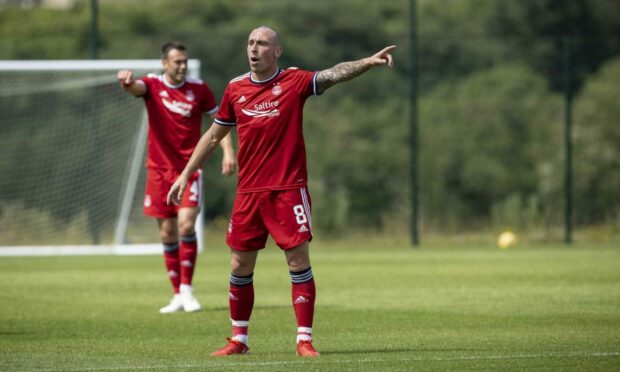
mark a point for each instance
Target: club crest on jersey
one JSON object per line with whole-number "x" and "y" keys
{"x": 276, "y": 90}
{"x": 163, "y": 93}
{"x": 264, "y": 109}
{"x": 190, "y": 95}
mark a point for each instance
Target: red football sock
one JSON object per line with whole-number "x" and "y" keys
{"x": 303, "y": 295}
{"x": 241, "y": 301}
{"x": 171, "y": 259}
{"x": 187, "y": 254}
{"x": 240, "y": 330}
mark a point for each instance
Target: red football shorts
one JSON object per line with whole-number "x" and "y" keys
{"x": 158, "y": 184}
{"x": 285, "y": 214}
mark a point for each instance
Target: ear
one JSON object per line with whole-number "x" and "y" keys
{"x": 279, "y": 52}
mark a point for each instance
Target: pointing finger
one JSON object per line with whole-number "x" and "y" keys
{"x": 390, "y": 60}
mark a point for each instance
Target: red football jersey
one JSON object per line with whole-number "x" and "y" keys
{"x": 175, "y": 118}
{"x": 269, "y": 119}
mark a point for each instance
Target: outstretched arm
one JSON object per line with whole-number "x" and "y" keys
{"x": 348, "y": 70}
{"x": 129, "y": 84}
{"x": 204, "y": 149}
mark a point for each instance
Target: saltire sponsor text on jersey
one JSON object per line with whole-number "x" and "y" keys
{"x": 175, "y": 116}
{"x": 269, "y": 119}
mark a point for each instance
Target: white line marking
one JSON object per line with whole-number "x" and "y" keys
{"x": 338, "y": 361}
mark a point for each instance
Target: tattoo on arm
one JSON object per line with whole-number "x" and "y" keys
{"x": 341, "y": 72}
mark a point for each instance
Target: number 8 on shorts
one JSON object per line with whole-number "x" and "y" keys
{"x": 300, "y": 214}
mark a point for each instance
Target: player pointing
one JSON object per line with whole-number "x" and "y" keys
{"x": 175, "y": 105}
{"x": 266, "y": 106}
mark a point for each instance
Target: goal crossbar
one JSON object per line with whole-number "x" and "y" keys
{"x": 91, "y": 65}
{"x": 119, "y": 247}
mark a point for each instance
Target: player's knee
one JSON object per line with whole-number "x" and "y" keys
{"x": 298, "y": 262}
{"x": 186, "y": 227}
{"x": 168, "y": 230}
{"x": 186, "y": 230}
{"x": 298, "y": 258}
{"x": 168, "y": 235}
{"x": 242, "y": 266}
{"x": 296, "y": 266}
{"x": 240, "y": 269}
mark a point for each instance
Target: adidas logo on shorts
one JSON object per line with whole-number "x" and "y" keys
{"x": 303, "y": 229}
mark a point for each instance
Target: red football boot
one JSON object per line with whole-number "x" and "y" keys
{"x": 232, "y": 347}
{"x": 305, "y": 349}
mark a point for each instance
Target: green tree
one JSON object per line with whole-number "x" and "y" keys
{"x": 484, "y": 140}
{"x": 534, "y": 29}
{"x": 490, "y": 128}
{"x": 597, "y": 148}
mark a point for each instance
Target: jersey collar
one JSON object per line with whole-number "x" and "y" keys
{"x": 166, "y": 83}
{"x": 278, "y": 72}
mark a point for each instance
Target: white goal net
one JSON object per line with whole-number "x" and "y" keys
{"x": 72, "y": 147}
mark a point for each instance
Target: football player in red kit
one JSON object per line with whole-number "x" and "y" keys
{"x": 266, "y": 106}
{"x": 175, "y": 105}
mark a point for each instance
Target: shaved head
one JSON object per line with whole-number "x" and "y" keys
{"x": 263, "y": 50}
{"x": 274, "y": 35}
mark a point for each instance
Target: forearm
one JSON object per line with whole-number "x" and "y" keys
{"x": 227, "y": 146}
{"x": 349, "y": 70}
{"x": 341, "y": 72}
{"x": 134, "y": 88}
{"x": 205, "y": 147}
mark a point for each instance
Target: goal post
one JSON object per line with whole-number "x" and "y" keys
{"x": 72, "y": 147}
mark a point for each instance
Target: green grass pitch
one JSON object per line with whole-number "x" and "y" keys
{"x": 380, "y": 307}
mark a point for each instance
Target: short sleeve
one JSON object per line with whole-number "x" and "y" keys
{"x": 226, "y": 112}
{"x": 208, "y": 104}
{"x": 147, "y": 81}
{"x": 305, "y": 81}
